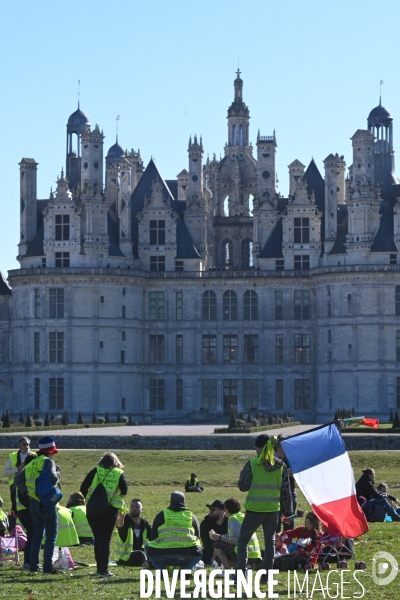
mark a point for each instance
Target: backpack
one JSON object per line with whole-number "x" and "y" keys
{"x": 49, "y": 495}
{"x": 375, "y": 513}
{"x": 98, "y": 501}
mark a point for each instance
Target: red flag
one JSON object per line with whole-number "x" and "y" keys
{"x": 371, "y": 423}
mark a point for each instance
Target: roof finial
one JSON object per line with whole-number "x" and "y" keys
{"x": 79, "y": 92}
{"x": 238, "y": 73}
{"x": 116, "y": 127}
{"x": 380, "y": 92}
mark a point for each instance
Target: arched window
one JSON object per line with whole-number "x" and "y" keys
{"x": 227, "y": 248}
{"x": 250, "y": 306}
{"x": 226, "y": 207}
{"x": 234, "y": 136}
{"x": 246, "y": 254}
{"x": 209, "y": 306}
{"x": 241, "y": 135}
{"x": 229, "y": 304}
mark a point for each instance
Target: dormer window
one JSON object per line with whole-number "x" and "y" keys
{"x": 301, "y": 230}
{"x": 62, "y": 227}
{"x": 157, "y": 233}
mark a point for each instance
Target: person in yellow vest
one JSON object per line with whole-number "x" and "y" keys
{"x": 133, "y": 532}
{"x": 225, "y": 546}
{"x": 15, "y": 464}
{"x": 66, "y": 532}
{"x": 175, "y": 536}
{"x": 43, "y": 518}
{"x": 110, "y": 474}
{"x": 76, "y": 504}
{"x": 265, "y": 478}
{"x": 192, "y": 484}
{"x": 3, "y": 526}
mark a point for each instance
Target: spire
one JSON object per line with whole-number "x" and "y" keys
{"x": 238, "y": 84}
{"x": 380, "y": 92}
{"x": 116, "y": 128}
{"x": 79, "y": 93}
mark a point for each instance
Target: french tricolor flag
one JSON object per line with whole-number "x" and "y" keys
{"x": 322, "y": 469}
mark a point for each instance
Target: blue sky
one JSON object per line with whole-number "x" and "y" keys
{"x": 311, "y": 70}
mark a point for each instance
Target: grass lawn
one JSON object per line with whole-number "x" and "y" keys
{"x": 152, "y": 476}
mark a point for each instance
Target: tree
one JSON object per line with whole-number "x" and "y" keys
{"x": 64, "y": 420}
{"x": 249, "y": 417}
{"x": 270, "y": 419}
{"x": 391, "y": 416}
{"x": 79, "y": 420}
{"x": 130, "y": 422}
{"x": 232, "y": 421}
{"x": 21, "y": 418}
{"x": 118, "y": 419}
{"x": 46, "y": 420}
{"x": 66, "y": 417}
{"x": 28, "y": 422}
{"x": 6, "y": 422}
{"x": 52, "y": 417}
{"x": 106, "y": 417}
{"x": 94, "y": 418}
{"x": 396, "y": 420}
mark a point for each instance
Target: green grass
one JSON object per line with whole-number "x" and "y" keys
{"x": 152, "y": 475}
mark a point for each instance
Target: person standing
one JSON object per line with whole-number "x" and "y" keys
{"x": 15, "y": 464}
{"x": 43, "y": 518}
{"x": 175, "y": 536}
{"x": 110, "y": 474}
{"x": 265, "y": 478}
{"x": 133, "y": 532}
{"x": 216, "y": 520}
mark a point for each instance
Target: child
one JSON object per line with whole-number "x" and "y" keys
{"x": 280, "y": 547}
{"x": 308, "y": 545}
{"x": 383, "y": 488}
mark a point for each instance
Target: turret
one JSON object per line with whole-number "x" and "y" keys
{"x": 380, "y": 124}
{"x": 266, "y": 169}
{"x": 334, "y": 194}
{"x": 28, "y": 204}
{"x": 238, "y": 117}
{"x": 296, "y": 173}
{"x": 124, "y": 207}
{"x": 92, "y": 157}
{"x": 195, "y": 150}
{"x": 363, "y": 157}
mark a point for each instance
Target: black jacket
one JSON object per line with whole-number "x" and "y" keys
{"x": 365, "y": 487}
{"x": 87, "y": 482}
{"x": 140, "y": 528}
{"x": 205, "y": 527}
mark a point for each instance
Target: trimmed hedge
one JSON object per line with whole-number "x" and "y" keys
{"x": 255, "y": 429}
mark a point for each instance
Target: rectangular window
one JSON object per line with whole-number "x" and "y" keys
{"x": 301, "y": 230}
{"x": 36, "y": 392}
{"x": 329, "y": 356}
{"x": 397, "y": 392}
{"x": 157, "y": 233}
{"x": 62, "y": 259}
{"x": 179, "y": 349}
{"x": 302, "y": 393}
{"x": 250, "y": 349}
{"x": 56, "y": 392}
{"x": 62, "y": 227}
{"x": 179, "y": 394}
{"x": 56, "y": 303}
{"x": 279, "y": 265}
{"x": 37, "y": 312}
{"x": 101, "y": 299}
{"x": 397, "y": 300}
{"x": 157, "y": 350}
{"x": 36, "y": 347}
{"x": 278, "y": 305}
{"x": 279, "y": 394}
{"x": 123, "y": 335}
{"x": 124, "y": 291}
{"x": 279, "y": 348}
{"x": 230, "y": 349}
{"x": 101, "y": 345}
{"x": 209, "y": 394}
{"x": 230, "y": 395}
{"x": 56, "y": 346}
{"x": 301, "y": 262}
{"x": 301, "y": 348}
{"x": 302, "y": 304}
{"x": 349, "y": 303}
{"x": 157, "y": 394}
{"x": 209, "y": 349}
{"x": 398, "y": 345}
{"x": 122, "y": 357}
{"x": 179, "y": 265}
{"x": 250, "y": 306}
{"x": 329, "y": 309}
{"x": 157, "y": 263}
{"x": 123, "y": 404}
{"x": 393, "y": 259}
{"x": 250, "y": 394}
{"x": 123, "y": 312}
{"x": 179, "y": 306}
{"x": 44, "y": 263}
{"x": 329, "y": 336}
{"x": 157, "y": 310}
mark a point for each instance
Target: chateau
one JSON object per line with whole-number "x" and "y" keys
{"x": 177, "y": 299}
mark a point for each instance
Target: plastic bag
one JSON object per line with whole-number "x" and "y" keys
{"x": 62, "y": 559}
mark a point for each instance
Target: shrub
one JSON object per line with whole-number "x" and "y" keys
{"x": 64, "y": 419}
{"x": 270, "y": 422}
{"x": 255, "y": 423}
{"x": 107, "y": 417}
{"x": 396, "y": 420}
{"x": 28, "y": 422}
{"x": 79, "y": 420}
{"x": 391, "y": 416}
{"x": 239, "y": 424}
{"x": 100, "y": 420}
{"x": 130, "y": 422}
{"x": 123, "y": 420}
{"x": 87, "y": 425}
{"x": 118, "y": 418}
{"x": 56, "y": 421}
{"x": 3, "y": 416}
{"x": 6, "y": 420}
{"x": 249, "y": 417}
{"x": 38, "y": 422}
{"x": 51, "y": 417}
{"x": 46, "y": 420}
{"x": 232, "y": 421}
{"x": 94, "y": 418}
{"x": 241, "y": 416}
{"x": 1, "y": 424}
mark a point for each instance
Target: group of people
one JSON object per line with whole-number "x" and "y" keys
{"x": 226, "y": 536}
{"x": 371, "y": 497}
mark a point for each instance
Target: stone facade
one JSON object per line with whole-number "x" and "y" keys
{"x": 171, "y": 299}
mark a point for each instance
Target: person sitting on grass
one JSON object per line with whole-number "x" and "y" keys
{"x": 383, "y": 489}
{"x": 77, "y": 505}
{"x": 216, "y": 520}
{"x": 132, "y": 534}
{"x": 365, "y": 488}
{"x": 192, "y": 484}
{"x": 308, "y": 545}
{"x": 280, "y": 548}
{"x": 225, "y": 546}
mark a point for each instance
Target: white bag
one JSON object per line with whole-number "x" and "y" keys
{"x": 62, "y": 559}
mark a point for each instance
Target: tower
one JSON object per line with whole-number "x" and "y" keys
{"x": 92, "y": 158}
{"x": 296, "y": 172}
{"x": 380, "y": 124}
{"x": 363, "y": 157}
{"x": 77, "y": 123}
{"x": 124, "y": 207}
{"x": 28, "y": 203}
{"x": 334, "y": 195}
{"x": 238, "y": 116}
{"x": 266, "y": 170}
{"x": 195, "y": 150}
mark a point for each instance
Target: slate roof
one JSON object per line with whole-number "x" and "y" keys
{"x": 273, "y": 245}
{"x": 383, "y": 241}
{"x": 5, "y": 289}
{"x": 342, "y": 230}
{"x": 36, "y": 247}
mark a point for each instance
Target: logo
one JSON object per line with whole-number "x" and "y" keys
{"x": 384, "y": 568}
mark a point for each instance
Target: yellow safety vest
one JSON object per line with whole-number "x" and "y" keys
{"x": 177, "y": 531}
{"x": 123, "y": 549}
{"x": 265, "y": 490}
{"x": 32, "y": 472}
{"x": 190, "y": 482}
{"x": 14, "y": 460}
{"x": 66, "y": 532}
{"x": 3, "y": 517}
{"x": 80, "y": 521}
{"x": 253, "y": 545}
{"x": 110, "y": 479}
